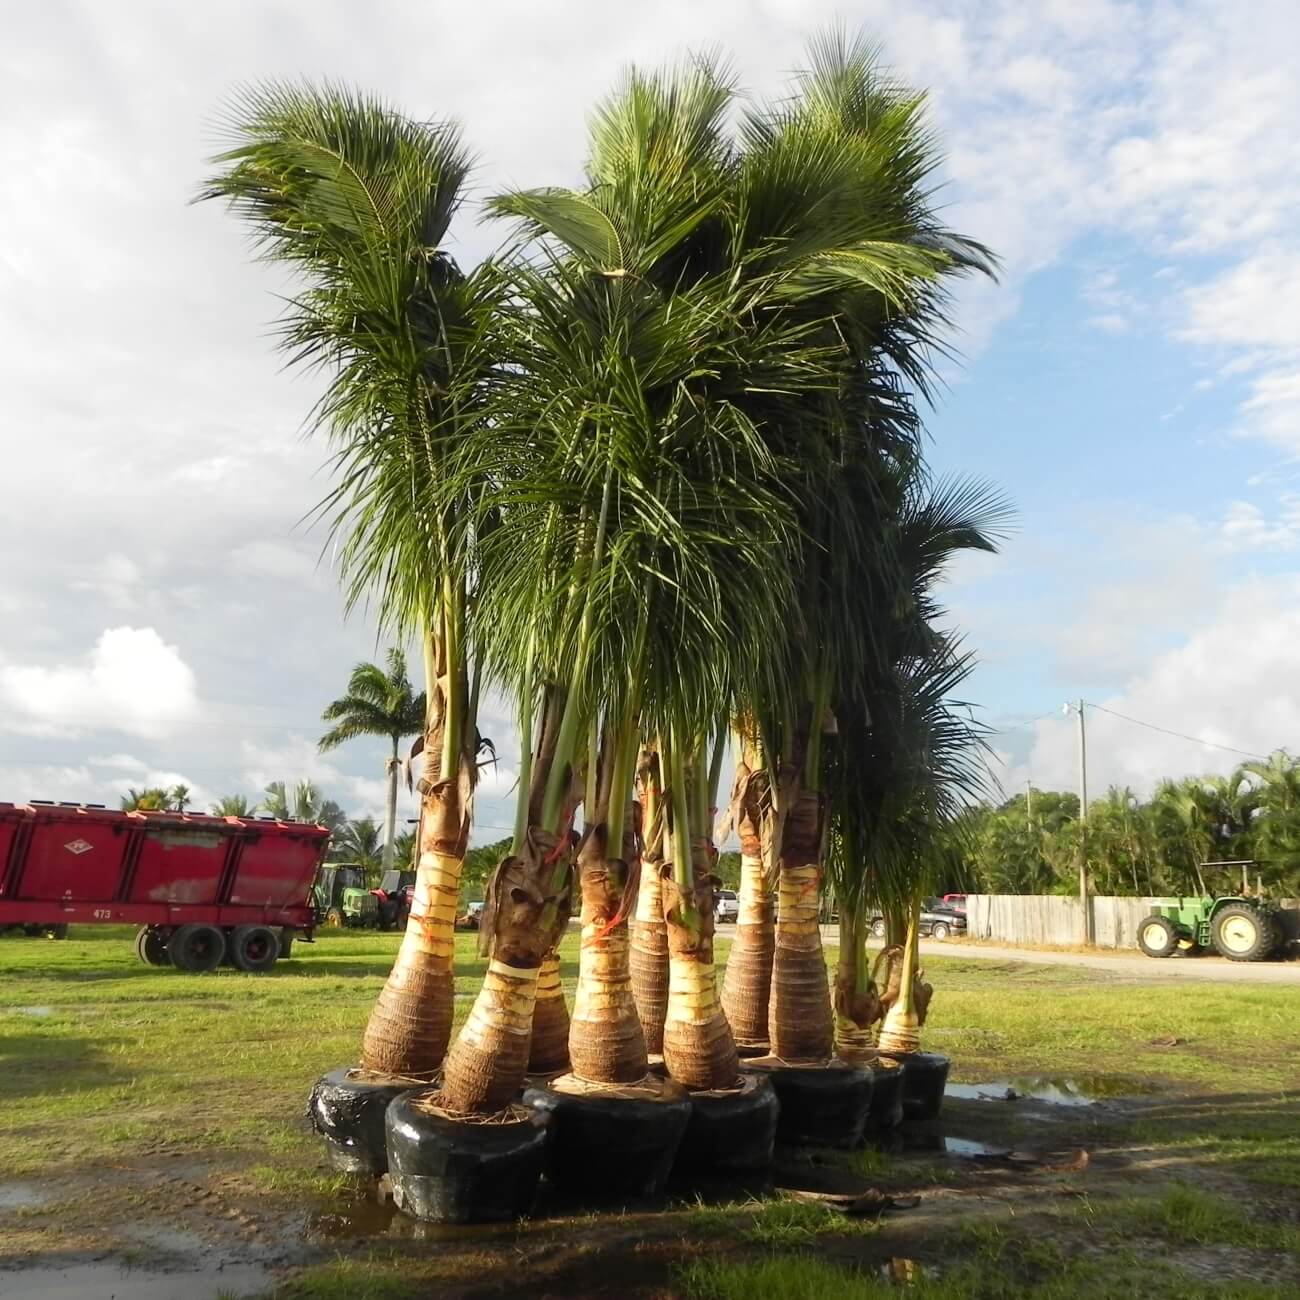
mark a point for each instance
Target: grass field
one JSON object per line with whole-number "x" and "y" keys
{"x": 159, "y": 1118}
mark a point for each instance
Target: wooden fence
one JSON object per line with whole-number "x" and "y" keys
{"x": 1052, "y": 920}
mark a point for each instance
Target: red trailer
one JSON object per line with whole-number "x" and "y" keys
{"x": 203, "y": 890}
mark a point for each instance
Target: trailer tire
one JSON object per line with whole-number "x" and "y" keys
{"x": 196, "y": 948}
{"x": 151, "y": 946}
{"x": 253, "y": 948}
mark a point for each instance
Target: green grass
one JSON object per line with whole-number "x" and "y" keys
{"x": 113, "y": 1070}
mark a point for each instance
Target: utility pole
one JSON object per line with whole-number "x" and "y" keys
{"x": 1083, "y": 825}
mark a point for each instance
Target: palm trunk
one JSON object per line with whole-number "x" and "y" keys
{"x": 800, "y": 1026}
{"x": 606, "y": 1042}
{"x": 698, "y": 1048}
{"x": 523, "y": 918}
{"x": 548, "y": 1052}
{"x": 411, "y": 1023}
{"x": 857, "y": 1002}
{"x": 390, "y": 820}
{"x": 748, "y": 980}
{"x": 648, "y": 959}
{"x": 901, "y": 1033}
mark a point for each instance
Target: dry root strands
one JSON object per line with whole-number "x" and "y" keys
{"x": 800, "y": 1025}
{"x": 410, "y": 1025}
{"x": 489, "y": 1059}
{"x": 698, "y": 1047}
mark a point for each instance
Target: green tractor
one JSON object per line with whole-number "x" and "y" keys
{"x": 341, "y": 897}
{"x": 1240, "y": 927}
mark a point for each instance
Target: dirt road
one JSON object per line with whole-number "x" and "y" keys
{"x": 1184, "y": 968}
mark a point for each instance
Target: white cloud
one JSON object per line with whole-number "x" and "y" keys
{"x": 132, "y": 681}
{"x": 1232, "y": 682}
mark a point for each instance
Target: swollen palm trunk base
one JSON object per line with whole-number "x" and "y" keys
{"x": 648, "y": 958}
{"x": 489, "y": 1059}
{"x": 799, "y": 1017}
{"x": 748, "y": 978}
{"x": 549, "y": 1049}
{"x": 409, "y": 1028}
{"x": 698, "y": 1047}
{"x": 606, "y": 1044}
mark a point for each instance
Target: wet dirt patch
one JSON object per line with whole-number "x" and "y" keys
{"x": 100, "y": 1279}
{"x": 20, "y": 1196}
{"x": 1069, "y": 1090}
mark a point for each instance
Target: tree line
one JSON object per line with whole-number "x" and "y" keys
{"x": 1030, "y": 844}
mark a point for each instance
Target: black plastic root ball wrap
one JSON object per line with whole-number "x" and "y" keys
{"x": 448, "y": 1170}
{"x": 613, "y": 1144}
{"x": 925, "y": 1076}
{"x": 886, "y": 1110}
{"x": 347, "y": 1109}
{"x": 821, "y": 1105}
{"x": 731, "y": 1131}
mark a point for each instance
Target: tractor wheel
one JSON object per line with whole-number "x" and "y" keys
{"x": 1157, "y": 936}
{"x": 334, "y": 919}
{"x": 56, "y": 931}
{"x": 1241, "y": 933}
{"x": 151, "y": 946}
{"x": 878, "y": 929}
{"x": 253, "y": 948}
{"x": 197, "y": 948}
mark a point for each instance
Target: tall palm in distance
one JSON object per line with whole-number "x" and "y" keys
{"x": 379, "y": 702}
{"x": 303, "y": 804}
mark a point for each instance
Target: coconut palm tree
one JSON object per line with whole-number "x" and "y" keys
{"x": 359, "y": 841}
{"x": 356, "y": 201}
{"x": 379, "y": 702}
{"x": 836, "y": 184}
{"x": 304, "y": 803}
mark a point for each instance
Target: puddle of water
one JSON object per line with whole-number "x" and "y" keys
{"x": 965, "y": 1147}
{"x": 353, "y": 1218}
{"x": 17, "y": 1196}
{"x": 908, "y": 1142}
{"x": 1086, "y": 1090}
{"x": 104, "y": 1280}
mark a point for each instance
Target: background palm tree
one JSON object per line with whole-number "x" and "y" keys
{"x": 379, "y": 702}
{"x": 232, "y": 805}
{"x": 152, "y": 799}
{"x": 179, "y": 798}
{"x": 359, "y": 841}
{"x": 303, "y": 804}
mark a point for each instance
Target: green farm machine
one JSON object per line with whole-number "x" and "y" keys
{"x": 341, "y": 897}
{"x": 1240, "y": 927}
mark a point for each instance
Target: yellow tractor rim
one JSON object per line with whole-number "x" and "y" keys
{"x": 1154, "y": 936}
{"x": 1238, "y": 933}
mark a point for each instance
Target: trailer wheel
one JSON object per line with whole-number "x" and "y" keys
{"x": 196, "y": 948}
{"x": 253, "y": 948}
{"x": 151, "y": 946}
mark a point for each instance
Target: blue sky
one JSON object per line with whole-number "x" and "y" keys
{"x": 1133, "y": 381}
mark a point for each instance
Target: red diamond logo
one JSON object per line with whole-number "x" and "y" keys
{"x": 78, "y": 846}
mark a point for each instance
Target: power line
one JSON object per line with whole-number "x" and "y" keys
{"x": 1023, "y": 726}
{"x": 1196, "y": 740}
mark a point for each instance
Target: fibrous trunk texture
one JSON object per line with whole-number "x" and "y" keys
{"x": 904, "y": 1015}
{"x": 649, "y": 957}
{"x": 523, "y": 916}
{"x": 800, "y": 1026}
{"x": 606, "y": 1043}
{"x": 748, "y": 980}
{"x": 411, "y": 1023}
{"x": 549, "y": 1050}
{"x": 698, "y": 1048}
